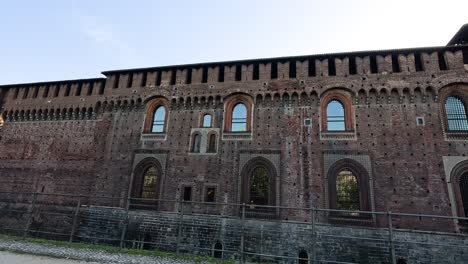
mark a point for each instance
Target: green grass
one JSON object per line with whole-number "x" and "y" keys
{"x": 110, "y": 249}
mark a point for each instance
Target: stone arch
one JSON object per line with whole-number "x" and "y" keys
{"x": 218, "y": 250}
{"x": 362, "y": 177}
{"x": 459, "y": 173}
{"x": 342, "y": 97}
{"x": 138, "y": 177}
{"x": 246, "y": 176}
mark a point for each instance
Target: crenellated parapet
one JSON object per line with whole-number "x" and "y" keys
{"x": 371, "y": 77}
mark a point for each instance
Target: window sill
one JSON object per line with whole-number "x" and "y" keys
{"x": 153, "y": 136}
{"x": 247, "y": 135}
{"x": 338, "y": 135}
{"x": 456, "y": 135}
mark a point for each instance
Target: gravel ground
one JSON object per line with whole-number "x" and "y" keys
{"x": 60, "y": 253}
{"x": 15, "y": 258}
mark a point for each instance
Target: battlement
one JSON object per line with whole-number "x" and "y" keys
{"x": 384, "y": 62}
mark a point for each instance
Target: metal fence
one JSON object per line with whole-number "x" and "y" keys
{"x": 255, "y": 235}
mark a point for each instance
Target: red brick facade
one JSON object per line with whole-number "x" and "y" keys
{"x": 91, "y": 139}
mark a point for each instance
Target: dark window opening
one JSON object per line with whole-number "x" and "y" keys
{"x": 221, "y": 74}
{"x": 395, "y": 63}
{"x": 189, "y": 76}
{"x": 456, "y": 114}
{"x": 57, "y": 90}
{"x": 465, "y": 55}
{"x": 68, "y": 89}
{"x": 292, "y": 69}
{"x": 196, "y": 143}
{"x": 26, "y": 92}
{"x": 303, "y": 257}
{"x": 15, "y": 96}
{"x": 373, "y": 64}
{"x": 312, "y": 71}
{"x": 464, "y": 192}
{"x": 212, "y": 143}
{"x": 144, "y": 77}
{"x": 187, "y": 195}
{"x": 218, "y": 250}
{"x": 274, "y": 70}
{"x": 130, "y": 80}
{"x": 331, "y": 67}
{"x": 204, "y": 74}
{"x": 101, "y": 88}
{"x": 90, "y": 88}
{"x": 158, "y": 78}
{"x": 442, "y": 63}
{"x": 238, "y": 72}
{"x": 256, "y": 71}
{"x": 46, "y": 91}
{"x": 36, "y": 91}
{"x": 78, "y": 89}
{"x": 418, "y": 62}
{"x": 352, "y": 65}
{"x": 173, "y": 76}
{"x": 210, "y": 194}
{"x": 116, "y": 81}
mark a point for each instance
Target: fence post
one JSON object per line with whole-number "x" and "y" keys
{"x": 75, "y": 219}
{"x": 30, "y": 212}
{"x": 390, "y": 238}
{"x": 242, "y": 260}
{"x": 312, "y": 223}
{"x": 125, "y": 223}
{"x": 180, "y": 225}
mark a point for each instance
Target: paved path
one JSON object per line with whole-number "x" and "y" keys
{"x": 14, "y": 258}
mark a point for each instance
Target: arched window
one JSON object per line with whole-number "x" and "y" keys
{"x": 347, "y": 191}
{"x": 212, "y": 143}
{"x": 159, "y": 119}
{"x": 150, "y": 178}
{"x": 218, "y": 250}
{"x": 303, "y": 257}
{"x": 456, "y": 114}
{"x": 196, "y": 143}
{"x": 259, "y": 186}
{"x": 335, "y": 116}
{"x": 239, "y": 118}
{"x": 348, "y": 183}
{"x": 206, "y": 120}
{"x": 464, "y": 193}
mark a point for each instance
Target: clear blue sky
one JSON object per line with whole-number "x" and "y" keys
{"x": 55, "y": 40}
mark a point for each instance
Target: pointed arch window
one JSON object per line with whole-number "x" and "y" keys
{"x": 159, "y": 119}
{"x": 335, "y": 116}
{"x": 239, "y": 118}
{"x": 456, "y": 114}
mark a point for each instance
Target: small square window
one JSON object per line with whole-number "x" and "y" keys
{"x": 308, "y": 122}
{"x": 420, "y": 121}
{"x": 210, "y": 194}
